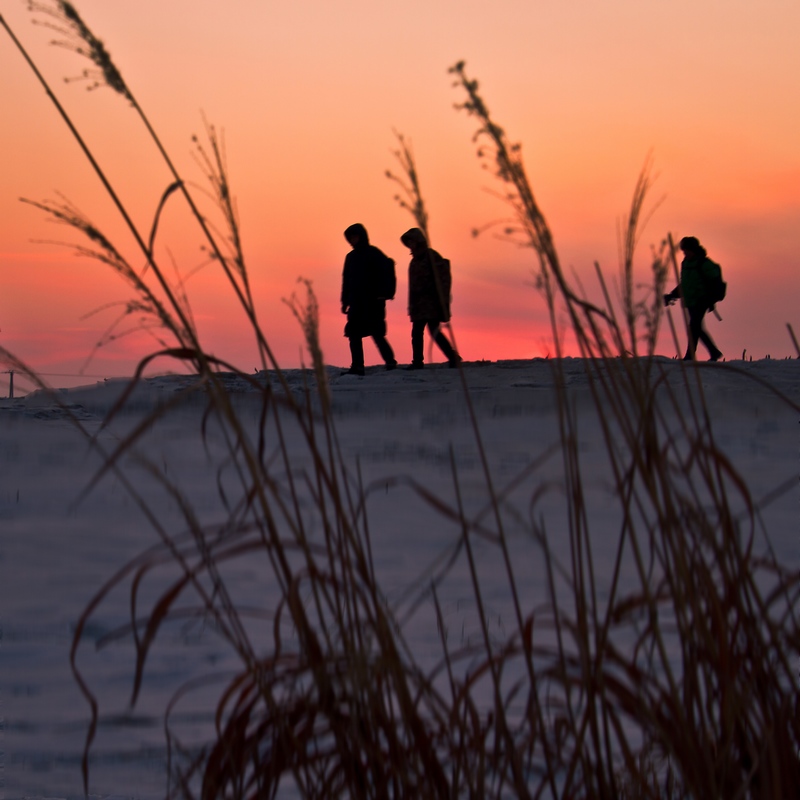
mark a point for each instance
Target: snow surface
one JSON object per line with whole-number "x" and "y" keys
{"x": 58, "y": 547}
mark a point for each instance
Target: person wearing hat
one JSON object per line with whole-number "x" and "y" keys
{"x": 698, "y": 274}
{"x": 367, "y": 283}
{"x": 429, "y": 284}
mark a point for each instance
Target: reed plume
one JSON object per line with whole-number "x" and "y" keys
{"x": 411, "y": 198}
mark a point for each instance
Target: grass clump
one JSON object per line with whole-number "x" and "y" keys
{"x": 719, "y": 713}
{"x": 679, "y": 681}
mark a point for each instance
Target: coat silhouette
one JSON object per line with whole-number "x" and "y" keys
{"x": 698, "y": 273}
{"x": 364, "y": 297}
{"x": 429, "y": 287}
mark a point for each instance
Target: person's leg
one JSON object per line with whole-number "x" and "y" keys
{"x": 385, "y": 349}
{"x": 443, "y": 342}
{"x": 417, "y": 343}
{"x": 356, "y": 355}
{"x": 713, "y": 351}
{"x": 697, "y": 332}
{"x": 695, "y": 326}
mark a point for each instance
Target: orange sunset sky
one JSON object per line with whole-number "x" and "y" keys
{"x": 308, "y": 93}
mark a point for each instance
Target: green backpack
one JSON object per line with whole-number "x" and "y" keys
{"x": 716, "y": 288}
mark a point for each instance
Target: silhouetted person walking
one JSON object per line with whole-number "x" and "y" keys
{"x": 698, "y": 275}
{"x": 429, "y": 285}
{"x": 368, "y": 281}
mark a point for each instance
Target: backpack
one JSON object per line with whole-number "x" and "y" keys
{"x": 386, "y": 279}
{"x": 716, "y": 288}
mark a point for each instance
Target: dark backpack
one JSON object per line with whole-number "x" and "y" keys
{"x": 386, "y": 279}
{"x": 716, "y": 288}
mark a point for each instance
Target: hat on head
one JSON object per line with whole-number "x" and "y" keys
{"x": 357, "y": 230}
{"x": 413, "y": 236}
{"x": 691, "y": 243}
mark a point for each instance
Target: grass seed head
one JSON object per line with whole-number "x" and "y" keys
{"x": 78, "y": 37}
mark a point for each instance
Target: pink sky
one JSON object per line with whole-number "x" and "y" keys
{"x": 308, "y": 94}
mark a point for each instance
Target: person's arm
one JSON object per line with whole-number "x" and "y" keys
{"x": 346, "y": 280}
{"x": 672, "y": 296}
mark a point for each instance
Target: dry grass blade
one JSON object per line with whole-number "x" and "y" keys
{"x": 307, "y": 314}
{"x": 794, "y": 339}
{"x": 411, "y": 200}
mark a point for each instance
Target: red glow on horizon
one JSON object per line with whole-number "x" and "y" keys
{"x": 308, "y": 136}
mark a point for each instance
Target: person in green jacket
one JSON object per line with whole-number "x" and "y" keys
{"x": 697, "y": 274}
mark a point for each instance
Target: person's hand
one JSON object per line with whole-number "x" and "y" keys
{"x": 669, "y": 299}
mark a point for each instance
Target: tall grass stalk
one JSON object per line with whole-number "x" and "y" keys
{"x": 416, "y": 206}
{"x": 411, "y": 198}
{"x": 413, "y": 201}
